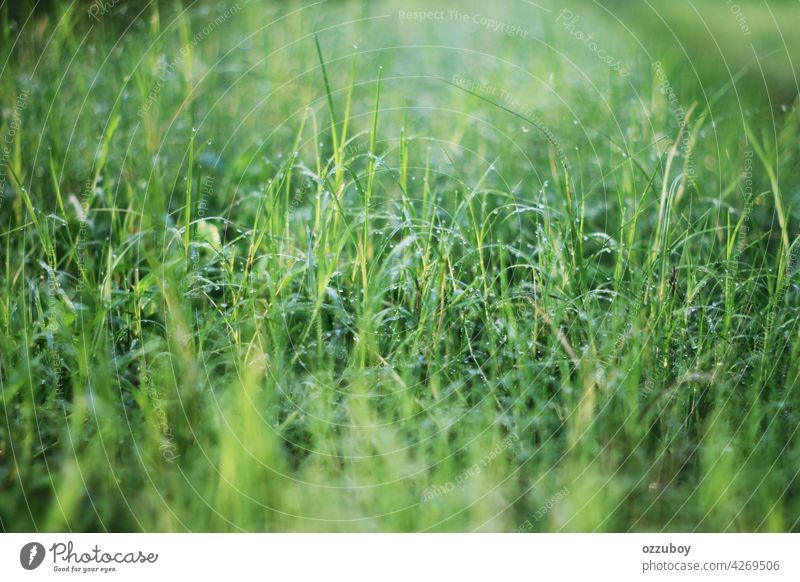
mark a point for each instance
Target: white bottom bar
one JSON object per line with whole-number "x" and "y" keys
{"x": 400, "y": 557}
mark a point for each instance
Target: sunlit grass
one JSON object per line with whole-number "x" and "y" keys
{"x": 255, "y": 277}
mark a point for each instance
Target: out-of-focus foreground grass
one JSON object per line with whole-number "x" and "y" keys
{"x": 395, "y": 266}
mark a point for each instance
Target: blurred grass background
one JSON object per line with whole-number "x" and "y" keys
{"x": 272, "y": 309}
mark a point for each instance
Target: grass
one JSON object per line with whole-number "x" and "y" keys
{"x": 256, "y": 278}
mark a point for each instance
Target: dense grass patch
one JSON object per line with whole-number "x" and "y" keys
{"x": 353, "y": 266}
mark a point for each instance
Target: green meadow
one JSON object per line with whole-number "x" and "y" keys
{"x": 396, "y": 266}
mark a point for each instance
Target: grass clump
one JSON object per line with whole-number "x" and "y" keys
{"x": 255, "y": 278}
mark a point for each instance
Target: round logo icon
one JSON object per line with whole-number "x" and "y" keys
{"x": 31, "y": 555}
